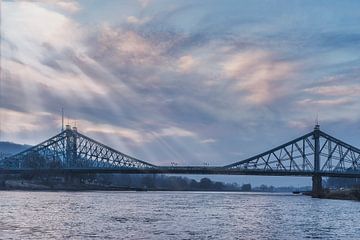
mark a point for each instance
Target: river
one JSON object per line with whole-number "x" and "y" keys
{"x": 174, "y": 215}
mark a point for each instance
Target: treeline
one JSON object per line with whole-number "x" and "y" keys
{"x": 163, "y": 182}
{"x": 264, "y": 188}
{"x": 177, "y": 183}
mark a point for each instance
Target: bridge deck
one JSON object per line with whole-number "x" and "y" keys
{"x": 195, "y": 170}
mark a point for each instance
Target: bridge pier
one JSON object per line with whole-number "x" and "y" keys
{"x": 316, "y": 178}
{"x": 317, "y": 189}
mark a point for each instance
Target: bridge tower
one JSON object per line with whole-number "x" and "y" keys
{"x": 316, "y": 178}
{"x": 71, "y": 146}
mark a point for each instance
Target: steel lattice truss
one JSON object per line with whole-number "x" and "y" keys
{"x": 298, "y": 156}
{"x": 315, "y": 153}
{"x": 337, "y": 156}
{"x": 70, "y": 150}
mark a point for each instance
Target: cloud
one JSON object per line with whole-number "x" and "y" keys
{"x": 27, "y": 123}
{"x": 208, "y": 141}
{"x": 65, "y": 82}
{"x": 329, "y": 97}
{"x": 144, "y": 3}
{"x": 325, "y": 102}
{"x": 136, "y": 21}
{"x": 242, "y": 62}
{"x": 20, "y": 126}
{"x": 137, "y": 136}
{"x": 259, "y": 75}
{"x": 122, "y": 47}
{"x": 336, "y": 90}
{"x": 124, "y": 133}
{"x": 175, "y": 131}
{"x": 67, "y": 5}
{"x": 23, "y": 25}
{"x": 186, "y": 63}
{"x": 300, "y": 124}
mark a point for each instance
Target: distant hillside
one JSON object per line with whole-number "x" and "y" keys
{"x": 9, "y": 148}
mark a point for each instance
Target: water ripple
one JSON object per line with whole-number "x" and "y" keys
{"x": 174, "y": 215}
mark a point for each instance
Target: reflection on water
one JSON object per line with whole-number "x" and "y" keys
{"x": 174, "y": 215}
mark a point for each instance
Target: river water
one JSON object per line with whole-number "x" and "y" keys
{"x": 174, "y": 215}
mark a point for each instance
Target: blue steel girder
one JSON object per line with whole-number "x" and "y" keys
{"x": 70, "y": 150}
{"x": 94, "y": 154}
{"x": 338, "y": 156}
{"x": 298, "y": 155}
{"x": 44, "y": 155}
{"x": 73, "y": 151}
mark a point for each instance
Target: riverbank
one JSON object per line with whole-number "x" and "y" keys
{"x": 29, "y": 185}
{"x": 32, "y": 186}
{"x": 343, "y": 194}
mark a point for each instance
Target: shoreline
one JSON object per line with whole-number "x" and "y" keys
{"x": 26, "y": 185}
{"x": 352, "y": 195}
{"x": 348, "y": 194}
{"x": 16, "y": 185}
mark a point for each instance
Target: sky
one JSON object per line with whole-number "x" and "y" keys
{"x": 191, "y": 82}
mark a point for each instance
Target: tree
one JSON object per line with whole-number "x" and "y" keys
{"x": 193, "y": 184}
{"x": 246, "y": 187}
{"x": 218, "y": 186}
{"x": 205, "y": 183}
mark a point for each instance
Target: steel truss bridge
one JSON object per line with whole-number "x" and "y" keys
{"x": 315, "y": 154}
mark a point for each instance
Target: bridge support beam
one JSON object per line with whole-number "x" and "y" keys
{"x": 316, "y": 179}
{"x": 317, "y": 189}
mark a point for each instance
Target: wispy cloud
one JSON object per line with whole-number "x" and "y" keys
{"x": 135, "y": 135}
{"x": 186, "y": 63}
{"x": 260, "y": 75}
{"x": 67, "y": 5}
{"x": 136, "y": 21}
{"x": 336, "y": 90}
{"x": 208, "y": 141}
{"x": 144, "y": 3}
{"x": 324, "y": 102}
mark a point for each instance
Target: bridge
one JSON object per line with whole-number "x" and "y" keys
{"x": 316, "y": 155}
